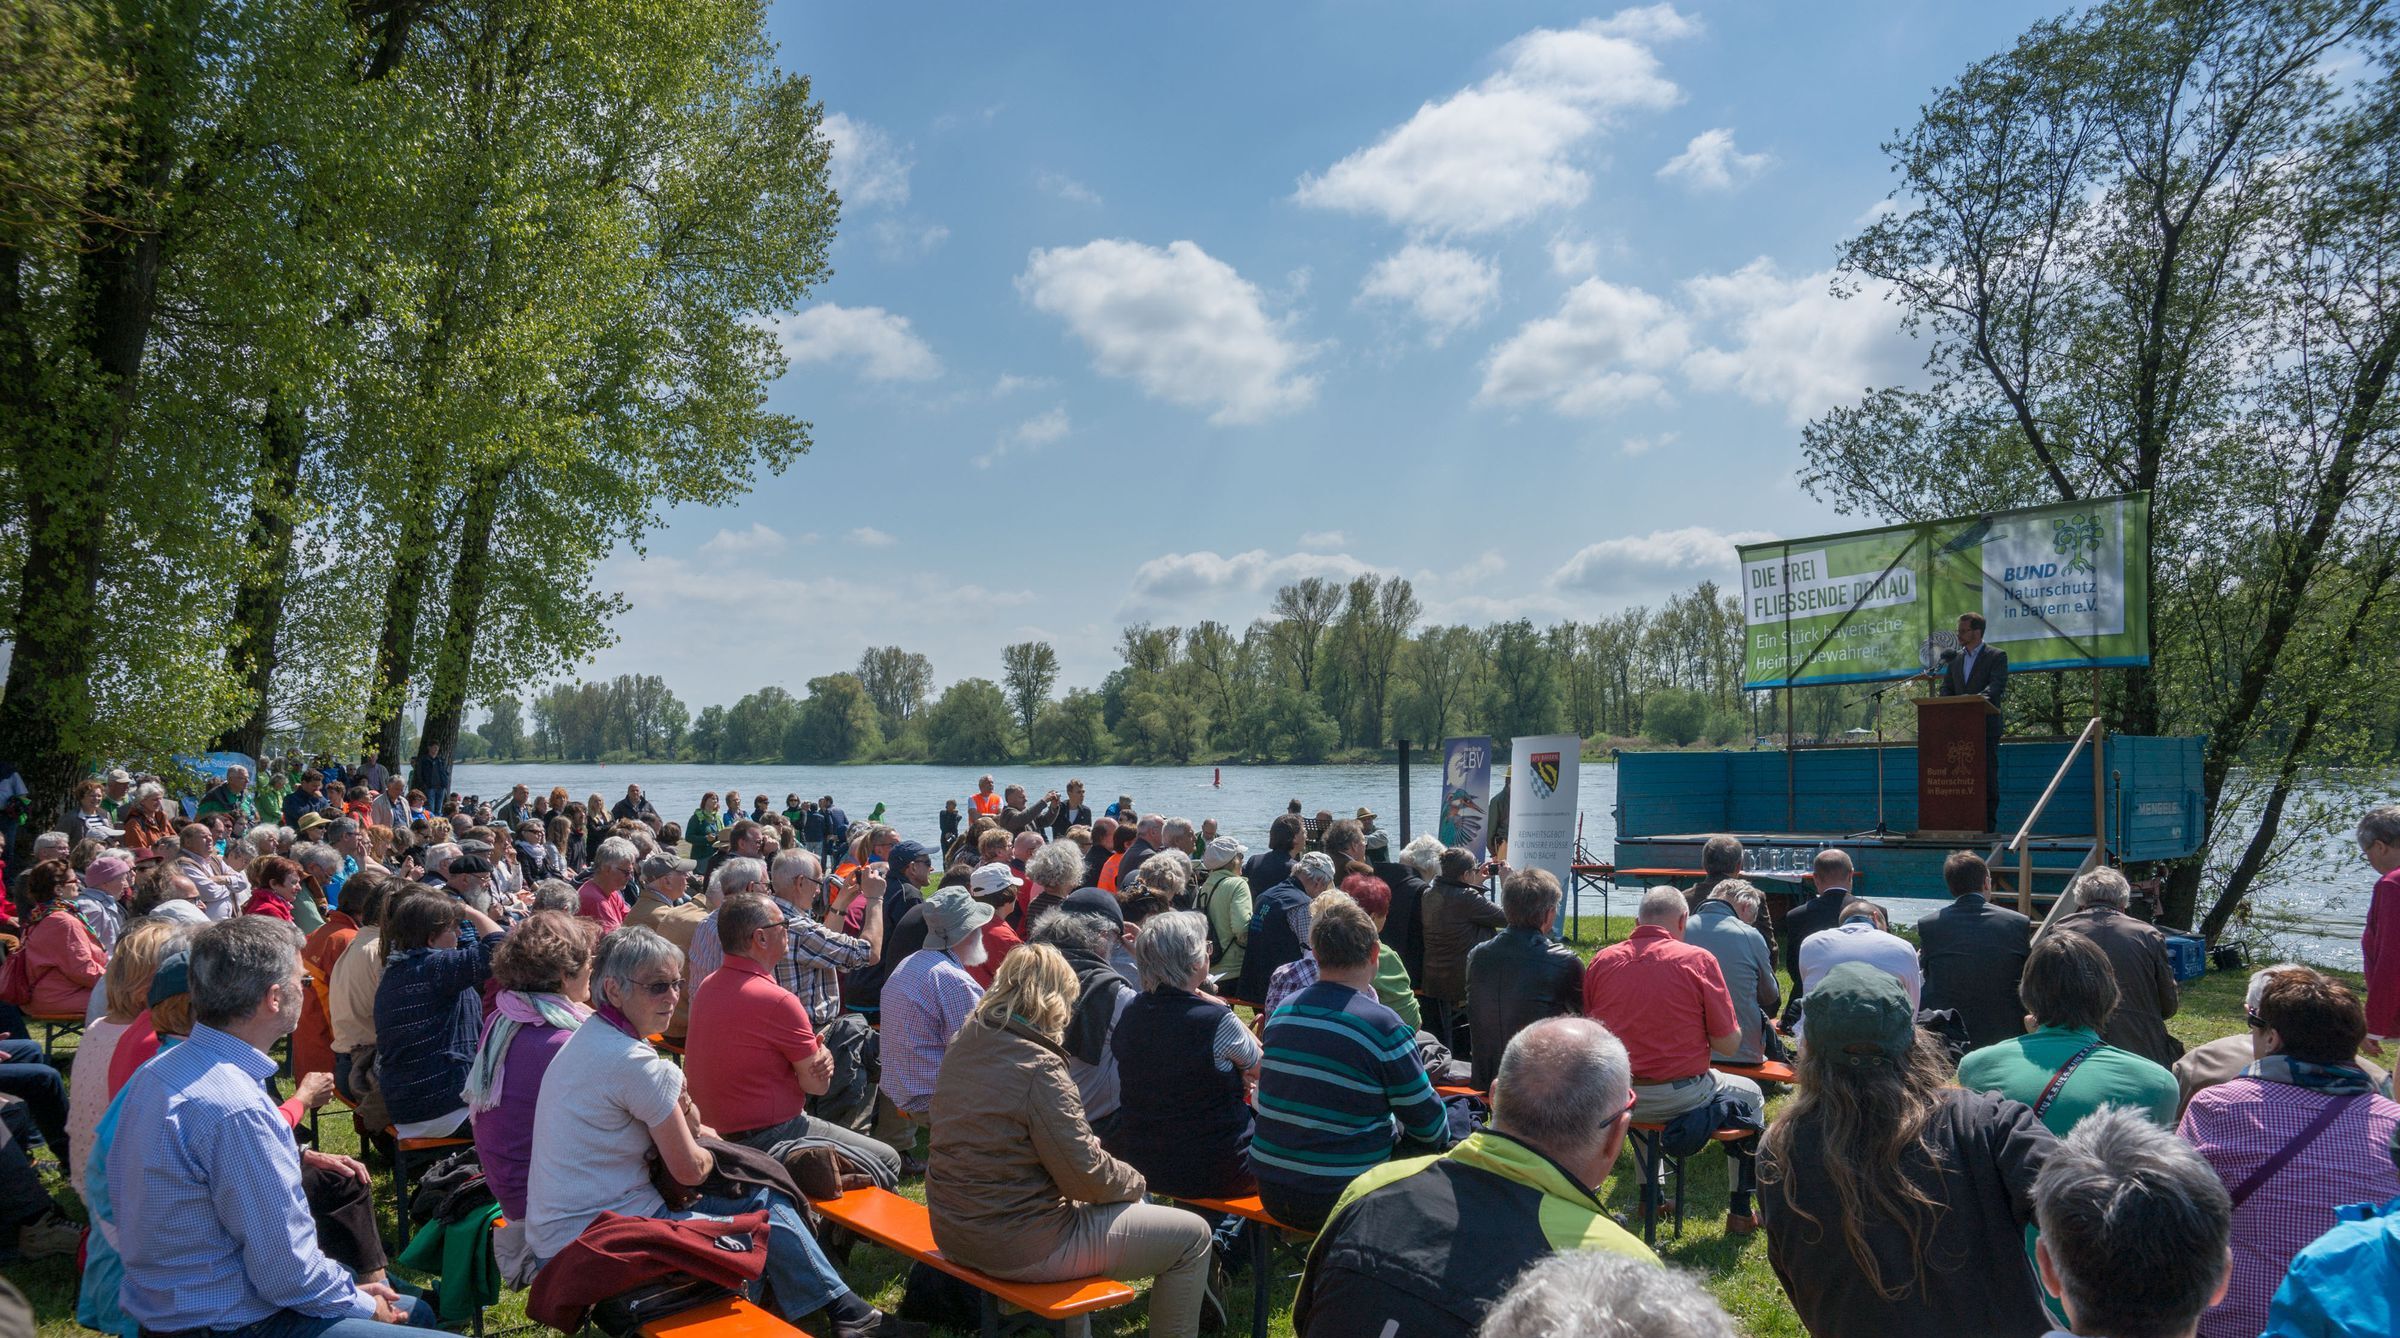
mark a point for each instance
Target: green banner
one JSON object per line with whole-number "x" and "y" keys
{"x": 2065, "y": 586}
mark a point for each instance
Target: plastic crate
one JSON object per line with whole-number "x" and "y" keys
{"x": 2187, "y": 954}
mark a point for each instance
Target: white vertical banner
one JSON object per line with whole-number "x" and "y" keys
{"x": 1542, "y": 788}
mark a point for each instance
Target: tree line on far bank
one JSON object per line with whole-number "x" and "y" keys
{"x": 1335, "y": 670}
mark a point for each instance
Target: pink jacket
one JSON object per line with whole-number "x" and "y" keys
{"x": 66, "y": 962}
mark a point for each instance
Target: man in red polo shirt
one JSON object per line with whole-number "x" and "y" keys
{"x": 752, "y": 1059}
{"x": 1667, "y": 1000}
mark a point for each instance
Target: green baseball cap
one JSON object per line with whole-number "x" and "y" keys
{"x": 1859, "y": 1015}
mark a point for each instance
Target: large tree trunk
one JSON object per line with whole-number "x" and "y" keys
{"x": 66, "y": 448}
{"x": 470, "y": 583}
{"x": 250, "y": 651}
{"x": 385, "y": 26}
{"x": 403, "y": 598}
{"x": 2285, "y": 598}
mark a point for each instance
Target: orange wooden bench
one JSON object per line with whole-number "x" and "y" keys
{"x": 1262, "y": 1248}
{"x": 1443, "y": 1090}
{"x": 1647, "y": 1142}
{"x": 905, "y": 1228}
{"x": 1765, "y": 1071}
{"x": 732, "y": 1317}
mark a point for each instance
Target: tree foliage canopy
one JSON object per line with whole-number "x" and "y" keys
{"x": 2157, "y": 246}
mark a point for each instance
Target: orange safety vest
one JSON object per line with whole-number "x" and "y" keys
{"x": 986, "y": 804}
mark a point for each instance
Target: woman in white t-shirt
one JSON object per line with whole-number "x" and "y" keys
{"x": 608, "y": 1099}
{"x": 126, "y": 988}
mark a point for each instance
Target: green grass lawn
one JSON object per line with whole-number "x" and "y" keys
{"x": 1734, "y": 1269}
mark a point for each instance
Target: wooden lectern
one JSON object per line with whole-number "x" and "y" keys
{"x": 1950, "y": 765}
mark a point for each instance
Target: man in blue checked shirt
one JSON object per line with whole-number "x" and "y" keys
{"x": 216, "y": 1236}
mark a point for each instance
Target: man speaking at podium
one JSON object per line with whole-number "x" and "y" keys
{"x": 1975, "y": 669}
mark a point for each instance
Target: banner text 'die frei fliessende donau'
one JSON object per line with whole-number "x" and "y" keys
{"x": 2064, "y": 586}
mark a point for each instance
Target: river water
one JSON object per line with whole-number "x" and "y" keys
{"x": 2315, "y": 911}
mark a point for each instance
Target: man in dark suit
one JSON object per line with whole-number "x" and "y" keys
{"x": 1973, "y": 954}
{"x": 1834, "y": 873}
{"x": 2147, "y": 994}
{"x": 1980, "y": 670}
{"x": 1404, "y": 927}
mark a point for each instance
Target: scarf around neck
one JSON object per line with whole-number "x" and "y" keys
{"x": 610, "y": 1014}
{"x": 2338, "y": 1079}
{"x": 512, "y": 1011}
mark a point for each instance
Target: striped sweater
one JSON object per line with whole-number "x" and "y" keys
{"x": 1340, "y": 1069}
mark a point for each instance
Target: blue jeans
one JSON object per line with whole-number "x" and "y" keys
{"x": 293, "y": 1324}
{"x": 43, "y": 1090}
{"x": 805, "y": 1281}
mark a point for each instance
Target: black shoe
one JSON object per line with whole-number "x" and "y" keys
{"x": 881, "y": 1325}
{"x": 911, "y": 1166}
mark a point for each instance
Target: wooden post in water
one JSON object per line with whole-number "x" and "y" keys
{"x": 1403, "y": 797}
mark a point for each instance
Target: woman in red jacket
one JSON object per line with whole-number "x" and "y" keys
{"x": 61, "y": 951}
{"x": 274, "y": 883}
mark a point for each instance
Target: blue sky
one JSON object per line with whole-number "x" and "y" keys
{"x": 1139, "y": 311}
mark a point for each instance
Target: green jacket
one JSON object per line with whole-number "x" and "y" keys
{"x": 1392, "y": 987}
{"x": 1433, "y": 1242}
{"x": 1225, "y": 900}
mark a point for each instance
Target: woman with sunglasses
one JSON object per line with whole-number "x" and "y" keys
{"x": 609, "y": 1102}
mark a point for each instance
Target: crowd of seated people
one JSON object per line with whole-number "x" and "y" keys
{"x": 1074, "y": 1034}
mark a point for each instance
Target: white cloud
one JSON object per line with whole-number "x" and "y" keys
{"x": 1483, "y": 567}
{"x": 867, "y": 536}
{"x": 1178, "y": 322}
{"x": 1633, "y": 446}
{"x": 1448, "y": 288}
{"x": 1711, "y": 162}
{"x": 1649, "y": 561}
{"x": 759, "y": 540}
{"x": 1574, "y": 257}
{"x": 1788, "y": 343}
{"x": 949, "y": 121}
{"x": 1173, "y": 581}
{"x": 867, "y": 167}
{"x": 1506, "y": 149}
{"x": 906, "y": 239}
{"x": 1876, "y": 212}
{"x": 884, "y": 346}
{"x": 1067, "y": 188}
{"x": 1791, "y": 343}
{"x": 1010, "y": 383}
{"x": 1040, "y": 430}
{"x": 1043, "y": 428}
{"x": 1605, "y": 348}
{"x": 1324, "y": 539}
{"x": 1650, "y": 23}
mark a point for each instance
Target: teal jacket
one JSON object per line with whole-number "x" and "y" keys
{"x": 2347, "y": 1282}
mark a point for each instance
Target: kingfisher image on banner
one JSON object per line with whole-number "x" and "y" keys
{"x": 1466, "y": 793}
{"x": 1545, "y": 775}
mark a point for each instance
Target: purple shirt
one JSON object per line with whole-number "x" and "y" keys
{"x": 2237, "y": 1126}
{"x": 924, "y": 1004}
{"x": 504, "y": 1134}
